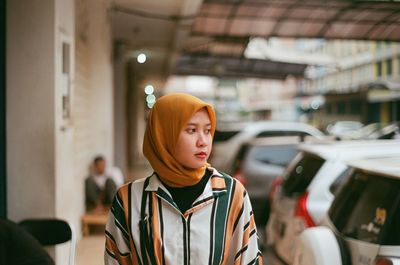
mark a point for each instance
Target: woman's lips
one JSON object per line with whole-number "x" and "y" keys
{"x": 201, "y": 155}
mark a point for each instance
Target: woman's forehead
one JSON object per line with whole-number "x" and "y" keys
{"x": 201, "y": 115}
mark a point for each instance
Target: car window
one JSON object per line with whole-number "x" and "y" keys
{"x": 273, "y": 154}
{"x": 222, "y": 136}
{"x": 237, "y": 162}
{"x": 281, "y": 133}
{"x": 297, "y": 179}
{"x": 368, "y": 209}
{"x": 339, "y": 181}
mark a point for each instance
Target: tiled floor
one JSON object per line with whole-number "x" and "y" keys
{"x": 90, "y": 250}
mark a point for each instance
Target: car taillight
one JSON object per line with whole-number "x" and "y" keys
{"x": 274, "y": 188}
{"x": 239, "y": 176}
{"x": 383, "y": 261}
{"x": 301, "y": 210}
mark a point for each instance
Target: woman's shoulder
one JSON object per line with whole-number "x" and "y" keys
{"x": 227, "y": 178}
{"x": 216, "y": 172}
{"x": 134, "y": 184}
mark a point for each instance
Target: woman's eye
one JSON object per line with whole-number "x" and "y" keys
{"x": 191, "y": 130}
{"x": 207, "y": 131}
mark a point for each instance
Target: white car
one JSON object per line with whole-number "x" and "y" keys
{"x": 224, "y": 151}
{"x": 308, "y": 188}
{"x": 344, "y": 129}
{"x": 362, "y": 226}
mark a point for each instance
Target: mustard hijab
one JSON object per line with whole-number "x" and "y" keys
{"x": 166, "y": 120}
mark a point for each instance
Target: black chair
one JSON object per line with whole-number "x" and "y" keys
{"x": 50, "y": 232}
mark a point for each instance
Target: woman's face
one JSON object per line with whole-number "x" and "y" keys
{"x": 195, "y": 141}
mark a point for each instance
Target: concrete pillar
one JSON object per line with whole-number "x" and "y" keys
{"x": 31, "y": 121}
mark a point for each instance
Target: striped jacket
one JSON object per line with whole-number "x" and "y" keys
{"x": 145, "y": 222}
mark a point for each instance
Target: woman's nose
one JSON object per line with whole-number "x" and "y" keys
{"x": 201, "y": 139}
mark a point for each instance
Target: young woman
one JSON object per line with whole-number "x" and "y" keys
{"x": 186, "y": 212}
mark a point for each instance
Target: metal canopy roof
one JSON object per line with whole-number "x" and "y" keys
{"x": 362, "y": 20}
{"x": 223, "y": 27}
{"x": 236, "y": 67}
{"x": 219, "y": 29}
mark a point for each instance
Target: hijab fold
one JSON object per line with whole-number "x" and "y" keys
{"x": 165, "y": 122}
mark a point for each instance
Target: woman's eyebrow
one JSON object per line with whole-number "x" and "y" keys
{"x": 194, "y": 124}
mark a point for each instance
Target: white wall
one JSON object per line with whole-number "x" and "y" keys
{"x": 101, "y": 82}
{"x": 92, "y": 107}
{"x": 91, "y": 126}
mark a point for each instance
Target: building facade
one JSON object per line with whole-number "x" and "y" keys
{"x": 362, "y": 85}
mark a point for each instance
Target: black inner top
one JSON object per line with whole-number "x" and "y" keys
{"x": 185, "y": 196}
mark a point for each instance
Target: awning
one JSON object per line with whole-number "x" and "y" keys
{"x": 236, "y": 67}
{"x": 383, "y": 91}
{"x": 362, "y": 20}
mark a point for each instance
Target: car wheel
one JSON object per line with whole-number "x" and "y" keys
{"x": 320, "y": 246}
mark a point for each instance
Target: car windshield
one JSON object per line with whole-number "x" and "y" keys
{"x": 340, "y": 180}
{"x": 300, "y": 175}
{"x": 222, "y": 136}
{"x": 368, "y": 209}
{"x": 281, "y": 133}
{"x": 274, "y": 154}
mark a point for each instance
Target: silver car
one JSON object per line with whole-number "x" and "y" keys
{"x": 258, "y": 163}
{"x": 226, "y": 147}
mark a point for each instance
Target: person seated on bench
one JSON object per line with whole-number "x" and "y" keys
{"x": 100, "y": 188}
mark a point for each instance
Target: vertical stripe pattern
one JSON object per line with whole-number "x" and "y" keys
{"x": 218, "y": 229}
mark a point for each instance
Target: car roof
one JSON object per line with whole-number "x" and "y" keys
{"x": 389, "y": 166}
{"x": 345, "y": 150}
{"x": 286, "y": 140}
{"x": 282, "y": 126}
{"x": 231, "y": 126}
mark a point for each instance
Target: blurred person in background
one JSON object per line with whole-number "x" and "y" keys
{"x": 101, "y": 186}
{"x": 186, "y": 211}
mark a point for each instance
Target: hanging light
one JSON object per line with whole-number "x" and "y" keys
{"x": 151, "y": 99}
{"x": 141, "y": 58}
{"x": 149, "y": 89}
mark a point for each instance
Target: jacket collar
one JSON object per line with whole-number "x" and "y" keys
{"x": 215, "y": 186}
